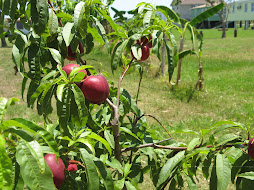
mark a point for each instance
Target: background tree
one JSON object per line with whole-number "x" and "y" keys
{"x": 3, "y": 41}
{"x": 223, "y": 14}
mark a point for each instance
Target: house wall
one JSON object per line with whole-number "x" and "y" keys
{"x": 242, "y": 10}
{"x": 184, "y": 10}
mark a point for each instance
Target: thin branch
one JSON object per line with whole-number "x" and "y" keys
{"x": 120, "y": 81}
{"x": 76, "y": 162}
{"x": 154, "y": 145}
{"x": 139, "y": 85}
{"x": 138, "y": 118}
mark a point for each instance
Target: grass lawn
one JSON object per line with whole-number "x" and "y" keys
{"x": 228, "y": 66}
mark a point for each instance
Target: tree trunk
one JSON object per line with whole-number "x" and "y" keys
{"x": 223, "y": 23}
{"x": 3, "y": 42}
{"x": 2, "y": 30}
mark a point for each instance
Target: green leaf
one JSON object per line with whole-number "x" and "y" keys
{"x": 68, "y": 33}
{"x": 53, "y": 23}
{"x": 6, "y": 167}
{"x": 201, "y": 150}
{"x": 194, "y": 142}
{"x": 226, "y": 138}
{"x": 77, "y": 69}
{"x": 223, "y": 171}
{"x": 63, "y": 110}
{"x": 147, "y": 18}
{"x": 23, "y": 36}
{"x": 136, "y": 51}
{"x": 247, "y": 175}
{"x": 59, "y": 92}
{"x": 32, "y": 127}
{"x": 157, "y": 37}
{"x": 168, "y": 167}
{"x": 91, "y": 170}
{"x": 171, "y": 60}
{"x": 65, "y": 16}
{"x": 39, "y": 15}
{"x": 30, "y": 171}
{"x": 109, "y": 19}
{"x": 110, "y": 138}
{"x": 39, "y": 90}
{"x": 128, "y": 131}
{"x": 27, "y": 137}
{"x": 238, "y": 166}
{"x": 102, "y": 140}
{"x": 4, "y": 105}
{"x": 34, "y": 61}
{"x": 78, "y": 13}
{"x": 18, "y": 51}
{"x": 130, "y": 186}
{"x": 87, "y": 143}
{"x": 63, "y": 73}
{"x": 206, "y": 14}
{"x": 80, "y": 101}
{"x": 105, "y": 174}
{"x": 191, "y": 183}
{"x": 101, "y": 31}
{"x": 185, "y": 53}
{"x": 37, "y": 153}
{"x": 117, "y": 55}
{"x": 168, "y": 13}
{"x": 56, "y": 55}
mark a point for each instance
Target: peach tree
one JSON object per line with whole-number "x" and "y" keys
{"x": 100, "y": 138}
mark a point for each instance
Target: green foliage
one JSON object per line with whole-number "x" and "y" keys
{"x": 112, "y": 144}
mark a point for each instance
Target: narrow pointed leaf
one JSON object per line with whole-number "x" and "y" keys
{"x": 32, "y": 127}
{"x": 5, "y": 167}
{"x": 39, "y": 15}
{"x": 147, "y": 18}
{"x": 102, "y": 140}
{"x": 78, "y": 13}
{"x": 167, "y": 169}
{"x": 169, "y": 13}
{"x": 117, "y": 55}
{"x": 194, "y": 142}
{"x": 91, "y": 170}
{"x": 223, "y": 171}
{"x": 206, "y": 14}
{"x": 247, "y": 175}
{"x": 52, "y": 23}
{"x": 68, "y": 33}
{"x": 30, "y": 170}
{"x": 105, "y": 174}
{"x": 18, "y": 51}
{"x": 4, "y": 105}
{"x": 101, "y": 31}
{"x": 80, "y": 101}
{"x": 56, "y": 55}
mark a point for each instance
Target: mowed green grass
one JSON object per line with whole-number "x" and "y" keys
{"x": 228, "y": 94}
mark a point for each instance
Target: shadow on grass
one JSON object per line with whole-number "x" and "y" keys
{"x": 184, "y": 93}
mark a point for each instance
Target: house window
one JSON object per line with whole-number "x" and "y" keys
{"x": 252, "y": 7}
{"x": 233, "y": 9}
{"x": 246, "y": 8}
